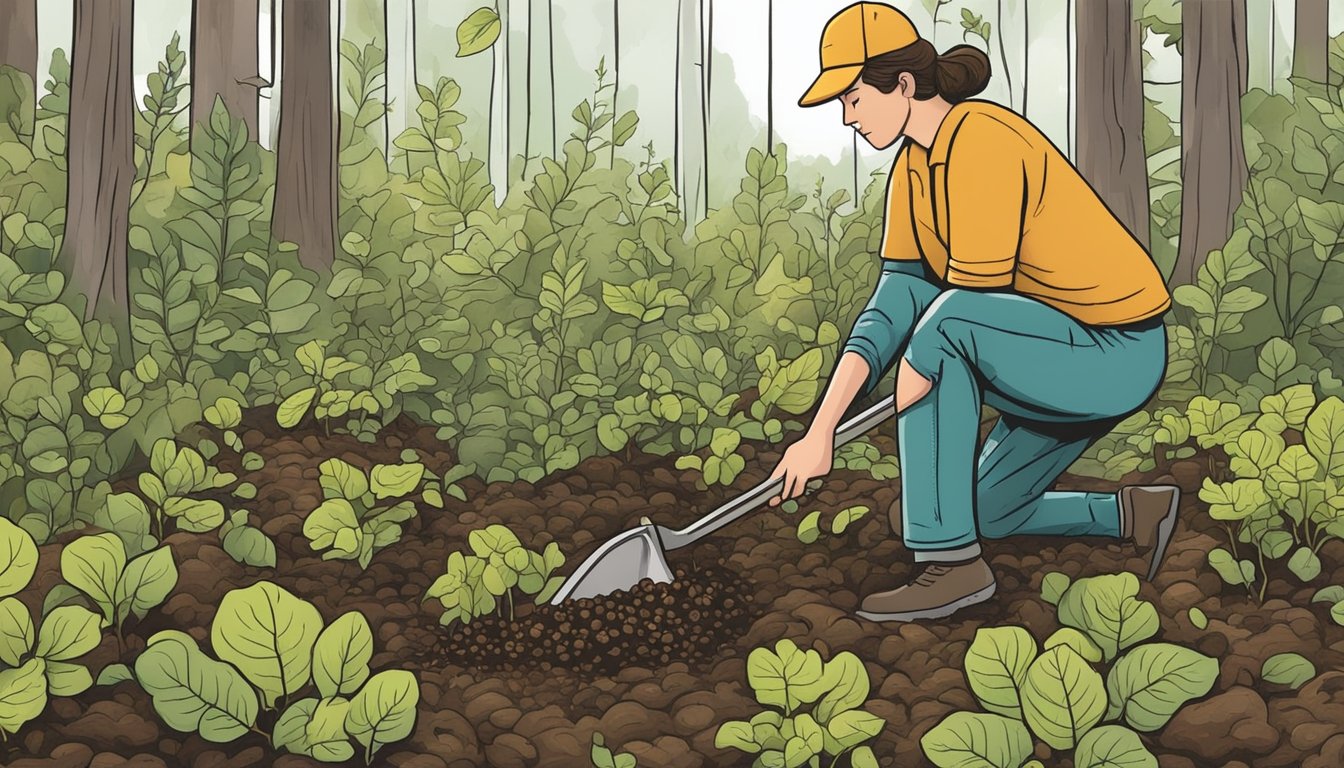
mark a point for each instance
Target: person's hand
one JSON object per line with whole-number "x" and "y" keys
{"x": 811, "y": 457}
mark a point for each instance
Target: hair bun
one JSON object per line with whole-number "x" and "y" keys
{"x": 961, "y": 72}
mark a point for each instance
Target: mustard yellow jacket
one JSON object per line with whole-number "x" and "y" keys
{"x": 993, "y": 203}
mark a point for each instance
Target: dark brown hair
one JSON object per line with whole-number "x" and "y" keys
{"x": 960, "y": 73}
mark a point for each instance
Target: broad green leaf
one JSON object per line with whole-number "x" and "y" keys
{"x": 996, "y": 667}
{"x": 195, "y": 515}
{"x": 1152, "y": 681}
{"x": 1107, "y": 609}
{"x": 295, "y": 407}
{"x": 477, "y": 32}
{"x": 1053, "y": 585}
{"x": 1112, "y": 746}
{"x": 325, "y": 523}
{"x": 849, "y": 729}
{"x": 809, "y": 528}
{"x": 737, "y": 734}
{"x": 846, "y": 516}
{"x": 325, "y": 733}
{"x": 848, "y": 683}
{"x": 125, "y": 515}
{"x": 114, "y": 673}
{"x": 1304, "y": 564}
{"x": 291, "y": 729}
{"x": 977, "y": 740}
{"x": 786, "y": 677}
{"x": 1324, "y": 435}
{"x": 1228, "y": 568}
{"x": 66, "y": 679}
{"x": 341, "y": 655}
{"x": 390, "y": 480}
{"x": 1290, "y": 669}
{"x": 384, "y": 709}
{"x": 16, "y": 631}
{"x": 806, "y": 742}
{"x": 68, "y": 632}
{"x": 250, "y": 546}
{"x": 1079, "y": 642}
{"x": 1331, "y": 594}
{"x": 1063, "y": 697}
{"x": 340, "y": 480}
{"x": 268, "y": 634}
{"x": 23, "y": 694}
{"x": 93, "y": 564}
{"x": 193, "y": 692}
{"x": 18, "y": 558}
{"x": 146, "y": 582}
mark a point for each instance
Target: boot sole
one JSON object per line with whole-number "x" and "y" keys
{"x": 1164, "y": 531}
{"x": 979, "y": 596}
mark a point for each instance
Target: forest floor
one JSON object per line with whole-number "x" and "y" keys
{"x": 657, "y": 670}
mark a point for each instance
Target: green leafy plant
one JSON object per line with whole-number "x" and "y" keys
{"x": 1218, "y": 301}
{"x": 474, "y": 583}
{"x": 788, "y": 678}
{"x": 176, "y": 473}
{"x": 1283, "y": 498}
{"x": 1057, "y": 693}
{"x": 118, "y": 584}
{"x": 40, "y": 662}
{"x": 348, "y": 524}
{"x": 271, "y": 646}
{"x": 161, "y": 107}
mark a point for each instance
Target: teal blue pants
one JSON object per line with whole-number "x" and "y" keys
{"x": 1057, "y": 383}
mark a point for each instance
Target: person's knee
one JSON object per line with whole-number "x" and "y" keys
{"x": 942, "y": 331}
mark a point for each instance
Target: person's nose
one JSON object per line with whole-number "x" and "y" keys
{"x": 848, "y": 116}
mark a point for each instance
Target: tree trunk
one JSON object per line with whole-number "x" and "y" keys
{"x": 305, "y": 173}
{"x": 224, "y": 60}
{"x": 689, "y": 147}
{"x": 101, "y": 162}
{"x": 400, "y": 97}
{"x": 1310, "y": 40}
{"x": 1110, "y": 111}
{"x": 18, "y": 36}
{"x": 770, "y": 78}
{"x": 498, "y": 164}
{"x": 268, "y": 103}
{"x": 1213, "y": 159}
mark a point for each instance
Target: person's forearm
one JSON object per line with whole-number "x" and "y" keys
{"x": 850, "y": 374}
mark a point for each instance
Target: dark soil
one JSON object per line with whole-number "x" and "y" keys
{"x": 663, "y": 695}
{"x": 686, "y": 620}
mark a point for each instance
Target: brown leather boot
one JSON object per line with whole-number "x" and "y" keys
{"x": 939, "y": 591}
{"x": 1148, "y": 518}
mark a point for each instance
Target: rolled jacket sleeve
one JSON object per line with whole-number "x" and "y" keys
{"x": 986, "y": 203}
{"x": 886, "y": 321}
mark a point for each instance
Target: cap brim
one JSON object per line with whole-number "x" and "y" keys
{"x": 829, "y": 84}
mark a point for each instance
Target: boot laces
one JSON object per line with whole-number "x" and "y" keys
{"x": 931, "y": 574}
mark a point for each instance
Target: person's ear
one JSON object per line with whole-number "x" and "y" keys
{"x": 907, "y": 82}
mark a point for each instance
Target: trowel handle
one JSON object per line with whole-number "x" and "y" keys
{"x": 752, "y": 499}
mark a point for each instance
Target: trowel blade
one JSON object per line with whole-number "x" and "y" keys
{"x": 621, "y": 563}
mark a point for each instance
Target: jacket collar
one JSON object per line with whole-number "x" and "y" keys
{"x": 942, "y": 139}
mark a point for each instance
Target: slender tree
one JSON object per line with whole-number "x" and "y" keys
{"x": 689, "y": 107}
{"x": 1310, "y": 38}
{"x": 400, "y": 97}
{"x": 18, "y": 36}
{"x": 770, "y": 78}
{"x": 305, "y": 173}
{"x": 1213, "y": 159}
{"x": 224, "y": 60}
{"x": 101, "y": 163}
{"x": 1110, "y": 111}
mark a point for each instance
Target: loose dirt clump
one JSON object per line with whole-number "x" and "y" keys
{"x": 688, "y": 620}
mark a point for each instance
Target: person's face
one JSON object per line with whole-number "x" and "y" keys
{"x": 879, "y": 117}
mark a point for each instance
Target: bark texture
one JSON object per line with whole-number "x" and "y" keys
{"x": 1213, "y": 158}
{"x": 224, "y": 60}
{"x": 305, "y": 173}
{"x": 1110, "y": 111}
{"x": 101, "y": 162}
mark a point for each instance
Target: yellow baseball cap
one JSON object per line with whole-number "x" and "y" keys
{"x": 851, "y": 37}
